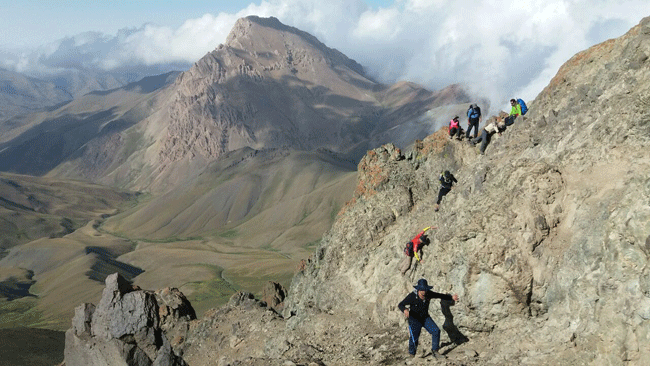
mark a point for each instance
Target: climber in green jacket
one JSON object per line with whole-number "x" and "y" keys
{"x": 514, "y": 112}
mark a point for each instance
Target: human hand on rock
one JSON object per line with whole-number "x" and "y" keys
{"x": 455, "y": 297}
{"x": 406, "y": 313}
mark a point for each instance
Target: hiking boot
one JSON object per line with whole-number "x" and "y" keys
{"x": 437, "y": 355}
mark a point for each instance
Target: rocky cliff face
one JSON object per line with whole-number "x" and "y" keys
{"x": 545, "y": 239}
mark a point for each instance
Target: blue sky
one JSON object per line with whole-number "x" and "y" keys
{"x": 495, "y": 49}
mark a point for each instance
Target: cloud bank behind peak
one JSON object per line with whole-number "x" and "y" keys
{"x": 497, "y": 51}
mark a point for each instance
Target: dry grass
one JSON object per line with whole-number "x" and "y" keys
{"x": 180, "y": 241}
{"x": 29, "y": 346}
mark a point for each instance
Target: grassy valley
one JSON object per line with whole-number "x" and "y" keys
{"x": 246, "y": 220}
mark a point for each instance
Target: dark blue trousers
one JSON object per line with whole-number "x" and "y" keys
{"x": 441, "y": 193}
{"x": 472, "y": 124}
{"x": 414, "y": 334}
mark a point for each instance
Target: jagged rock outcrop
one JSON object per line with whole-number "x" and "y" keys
{"x": 273, "y": 295}
{"x": 240, "y": 330}
{"x": 128, "y": 326}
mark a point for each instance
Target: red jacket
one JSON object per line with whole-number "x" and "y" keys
{"x": 417, "y": 241}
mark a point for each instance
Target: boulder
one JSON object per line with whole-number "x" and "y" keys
{"x": 273, "y": 295}
{"x": 126, "y": 327}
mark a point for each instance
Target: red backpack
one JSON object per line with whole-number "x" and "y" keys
{"x": 408, "y": 249}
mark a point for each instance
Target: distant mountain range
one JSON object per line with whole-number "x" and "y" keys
{"x": 22, "y": 93}
{"x": 269, "y": 86}
{"x": 244, "y": 161}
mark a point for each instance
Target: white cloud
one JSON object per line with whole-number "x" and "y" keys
{"x": 498, "y": 49}
{"x": 379, "y": 26}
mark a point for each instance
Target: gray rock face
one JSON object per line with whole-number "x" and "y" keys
{"x": 125, "y": 327}
{"x": 544, "y": 238}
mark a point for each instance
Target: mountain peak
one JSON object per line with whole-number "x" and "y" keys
{"x": 271, "y": 85}
{"x": 268, "y": 37}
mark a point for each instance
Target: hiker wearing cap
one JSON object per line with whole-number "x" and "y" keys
{"x": 414, "y": 249}
{"x": 454, "y": 128}
{"x": 515, "y": 111}
{"x": 490, "y": 129}
{"x": 446, "y": 182}
{"x": 415, "y": 307}
{"x": 473, "y": 120}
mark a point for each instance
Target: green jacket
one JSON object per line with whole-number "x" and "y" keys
{"x": 516, "y": 110}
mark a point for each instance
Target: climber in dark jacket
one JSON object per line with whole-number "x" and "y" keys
{"x": 446, "y": 182}
{"x": 417, "y": 315}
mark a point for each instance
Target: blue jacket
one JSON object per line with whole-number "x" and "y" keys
{"x": 474, "y": 113}
{"x": 418, "y": 308}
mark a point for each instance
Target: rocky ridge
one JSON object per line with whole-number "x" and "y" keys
{"x": 545, "y": 239}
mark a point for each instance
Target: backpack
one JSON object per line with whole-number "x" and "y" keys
{"x": 474, "y": 112}
{"x": 445, "y": 177}
{"x": 524, "y": 109}
{"x": 408, "y": 249}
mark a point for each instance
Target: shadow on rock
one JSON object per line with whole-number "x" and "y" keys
{"x": 457, "y": 338}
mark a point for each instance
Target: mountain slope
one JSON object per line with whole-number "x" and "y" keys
{"x": 276, "y": 189}
{"x": 20, "y": 94}
{"x": 90, "y": 125}
{"x": 545, "y": 239}
{"x": 31, "y": 208}
{"x": 245, "y": 161}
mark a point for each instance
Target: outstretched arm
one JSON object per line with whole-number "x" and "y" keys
{"x": 437, "y": 295}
